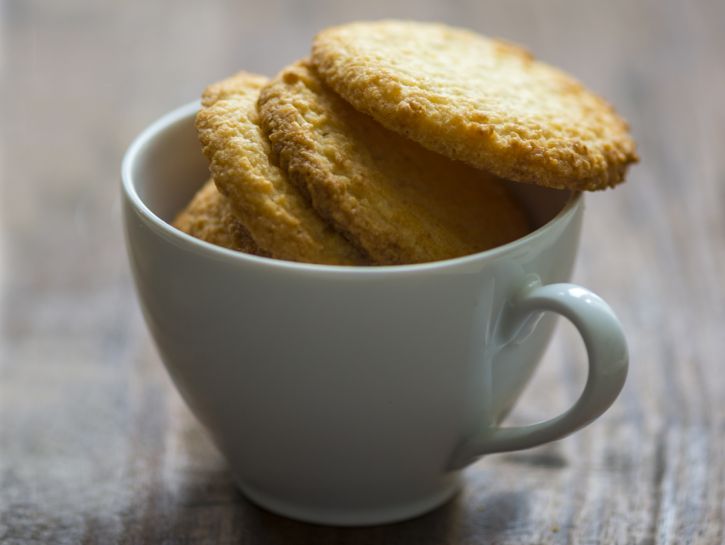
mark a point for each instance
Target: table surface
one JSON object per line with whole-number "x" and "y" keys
{"x": 95, "y": 444}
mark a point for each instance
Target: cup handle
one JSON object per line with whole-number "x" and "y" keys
{"x": 608, "y": 361}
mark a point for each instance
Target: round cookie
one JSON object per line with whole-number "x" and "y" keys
{"x": 209, "y": 217}
{"x": 397, "y": 200}
{"x": 478, "y": 100}
{"x": 278, "y": 218}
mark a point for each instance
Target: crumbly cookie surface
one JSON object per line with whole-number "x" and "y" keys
{"x": 478, "y": 100}
{"x": 280, "y": 221}
{"x": 397, "y": 200}
{"x": 209, "y": 217}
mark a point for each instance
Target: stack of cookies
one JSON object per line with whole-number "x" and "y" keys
{"x": 394, "y": 143}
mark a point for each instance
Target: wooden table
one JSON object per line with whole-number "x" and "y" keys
{"x": 95, "y": 444}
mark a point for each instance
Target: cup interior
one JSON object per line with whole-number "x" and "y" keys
{"x": 164, "y": 167}
{"x": 542, "y": 204}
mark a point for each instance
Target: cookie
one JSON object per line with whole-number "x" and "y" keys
{"x": 397, "y": 200}
{"x": 280, "y": 221}
{"x": 478, "y": 100}
{"x": 209, "y": 217}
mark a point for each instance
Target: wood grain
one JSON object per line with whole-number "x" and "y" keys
{"x": 96, "y": 446}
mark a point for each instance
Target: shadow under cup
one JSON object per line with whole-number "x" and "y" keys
{"x": 337, "y": 394}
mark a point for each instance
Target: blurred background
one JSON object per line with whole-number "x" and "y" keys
{"x": 95, "y": 445}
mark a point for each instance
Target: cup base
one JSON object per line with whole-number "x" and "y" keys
{"x": 351, "y": 517}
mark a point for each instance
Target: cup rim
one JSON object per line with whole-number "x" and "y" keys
{"x": 157, "y": 129}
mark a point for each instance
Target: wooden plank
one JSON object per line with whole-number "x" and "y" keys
{"x": 97, "y": 447}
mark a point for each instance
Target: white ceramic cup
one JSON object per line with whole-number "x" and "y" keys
{"x": 354, "y": 395}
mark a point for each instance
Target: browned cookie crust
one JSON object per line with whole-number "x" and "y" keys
{"x": 209, "y": 217}
{"x": 397, "y": 200}
{"x": 278, "y": 218}
{"x": 478, "y": 100}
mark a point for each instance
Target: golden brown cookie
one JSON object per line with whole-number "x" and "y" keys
{"x": 209, "y": 217}
{"x": 478, "y": 100}
{"x": 274, "y": 212}
{"x": 397, "y": 200}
